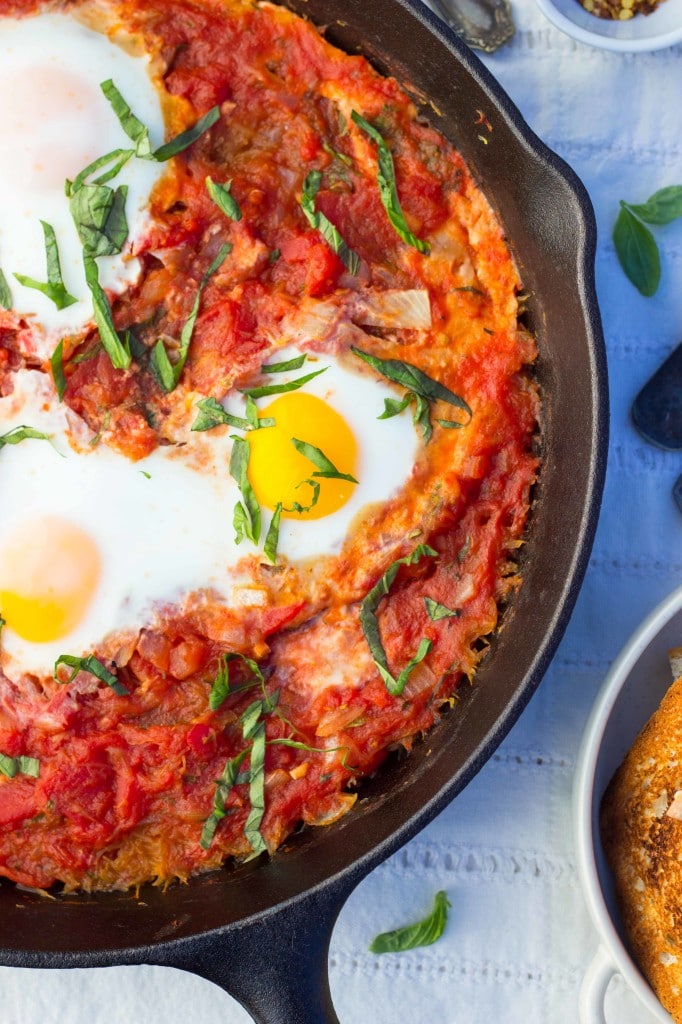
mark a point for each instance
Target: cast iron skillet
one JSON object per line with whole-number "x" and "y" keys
{"x": 262, "y": 931}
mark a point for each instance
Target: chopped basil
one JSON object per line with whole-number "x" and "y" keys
{"x": 325, "y": 468}
{"x": 223, "y": 198}
{"x": 289, "y": 364}
{"x": 420, "y": 387}
{"x": 100, "y": 218}
{"x": 256, "y": 788}
{"x": 422, "y": 933}
{"x": 54, "y": 288}
{"x": 22, "y": 765}
{"x": 387, "y": 186}
{"x": 138, "y": 133}
{"x": 272, "y": 536}
{"x": 222, "y": 688}
{"x": 246, "y": 518}
{"x": 437, "y": 611}
{"x": 296, "y": 507}
{"x": 318, "y": 220}
{"x": 274, "y": 256}
{"x": 118, "y": 352}
{"x": 370, "y": 623}
{"x": 5, "y": 293}
{"x": 118, "y": 158}
{"x": 279, "y": 389}
{"x": 57, "y": 364}
{"x": 227, "y": 781}
{"x": 168, "y": 374}
{"x": 92, "y": 665}
{"x": 22, "y": 433}
{"x": 212, "y": 414}
{"x": 336, "y": 155}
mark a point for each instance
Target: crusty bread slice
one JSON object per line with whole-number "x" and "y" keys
{"x": 641, "y": 829}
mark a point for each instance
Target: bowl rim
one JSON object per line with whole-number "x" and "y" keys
{"x": 639, "y": 44}
{"x": 584, "y": 816}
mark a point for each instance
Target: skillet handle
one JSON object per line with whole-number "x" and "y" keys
{"x": 275, "y": 965}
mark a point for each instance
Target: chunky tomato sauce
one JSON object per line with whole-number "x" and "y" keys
{"x": 127, "y": 783}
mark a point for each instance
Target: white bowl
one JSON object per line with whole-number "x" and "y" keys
{"x": 630, "y": 694}
{"x": 643, "y": 32}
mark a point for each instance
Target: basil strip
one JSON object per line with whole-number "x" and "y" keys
{"x": 221, "y": 688}
{"x": 100, "y": 218}
{"x": 5, "y": 293}
{"x": 318, "y": 220}
{"x": 289, "y": 364}
{"x": 186, "y": 138}
{"x": 437, "y": 611}
{"x": 422, "y": 933}
{"x": 57, "y": 364}
{"x": 138, "y": 133}
{"x": 92, "y": 665}
{"x": 296, "y": 507}
{"x": 212, "y": 414}
{"x": 54, "y": 288}
{"x": 370, "y": 623}
{"x": 388, "y": 189}
{"x": 272, "y": 536}
{"x": 168, "y": 374}
{"x": 23, "y": 433}
{"x": 224, "y": 200}
{"x": 118, "y": 353}
{"x": 118, "y": 158}
{"x": 22, "y": 765}
{"x": 247, "y": 520}
{"x": 279, "y": 389}
{"x": 394, "y": 406}
{"x": 227, "y": 781}
{"x": 256, "y": 789}
{"x": 325, "y": 468}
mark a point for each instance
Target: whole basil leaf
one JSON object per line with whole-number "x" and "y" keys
{"x": 422, "y": 933}
{"x": 637, "y": 252}
{"x": 660, "y": 208}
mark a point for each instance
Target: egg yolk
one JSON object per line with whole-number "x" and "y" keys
{"x": 49, "y": 571}
{"x": 278, "y": 472}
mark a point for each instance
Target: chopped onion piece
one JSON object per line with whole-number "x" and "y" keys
{"x": 409, "y": 309}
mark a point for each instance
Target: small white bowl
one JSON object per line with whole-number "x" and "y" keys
{"x": 643, "y": 32}
{"x": 630, "y": 694}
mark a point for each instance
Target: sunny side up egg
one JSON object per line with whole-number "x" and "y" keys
{"x": 59, "y": 121}
{"x": 94, "y": 544}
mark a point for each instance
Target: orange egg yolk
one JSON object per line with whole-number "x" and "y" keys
{"x": 49, "y": 571}
{"x": 279, "y": 473}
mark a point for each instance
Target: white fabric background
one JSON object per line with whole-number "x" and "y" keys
{"x": 519, "y": 937}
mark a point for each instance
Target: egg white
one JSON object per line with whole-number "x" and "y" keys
{"x": 54, "y": 121}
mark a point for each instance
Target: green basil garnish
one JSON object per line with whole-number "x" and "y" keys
{"x": 325, "y": 468}
{"x": 23, "y": 433}
{"x": 57, "y": 364}
{"x": 92, "y": 665}
{"x": 370, "y": 623}
{"x": 118, "y": 352}
{"x": 387, "y": 186}
{"x": 22, "y": 765}
{"x": 289, "y": 364}
{"x": 100, "y": 218}
{"x": 222, "y": 688}
{"x": 420, "y": 387}
{"x": 272, "y": 536}
{"x": 212, "y": 414}
{"x": 280, "y": 389}
{"x": 256, "y": 788}
{"x": 437, "y": 611}
{"x": 422, "y": 933}
{"x": 168, "y": 374}
{"x": 223, "y": 198}
{"x": 54, "y": 288}
{"x": 230, "y": 778}
{"x": 318, "y": 220}
{"x": 118, "y": 158}
{"x": 5, "y": 293}
{"x": 246, "y": 518}
{"x": 296, "y": 507}
{"x": 138, "y": 133}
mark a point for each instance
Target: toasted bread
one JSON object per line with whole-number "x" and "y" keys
{"x": 641, "y": 828}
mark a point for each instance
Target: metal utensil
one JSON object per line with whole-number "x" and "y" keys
{"x": 482, "y": 24}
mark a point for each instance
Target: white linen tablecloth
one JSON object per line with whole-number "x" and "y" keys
{"x": 519, "y": 937}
